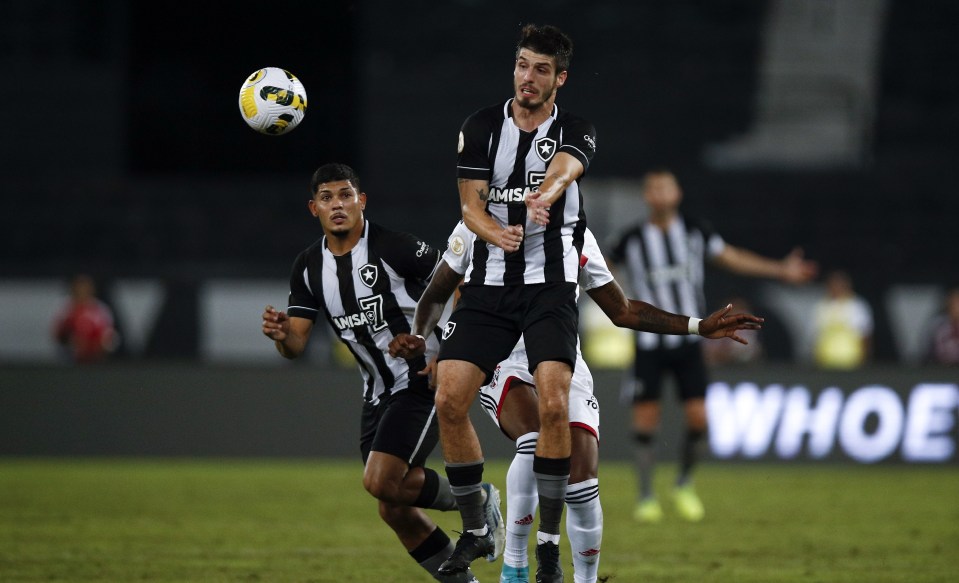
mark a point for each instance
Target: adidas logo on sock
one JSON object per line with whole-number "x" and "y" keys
{"x": 589, "y": 553}
{"x": 525, "y": 521}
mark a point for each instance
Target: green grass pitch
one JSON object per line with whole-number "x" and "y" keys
{"x": 310, "y": 521}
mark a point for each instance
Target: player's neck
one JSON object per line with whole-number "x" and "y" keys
{"x": 343, "y": 243}
{"x": 530, "y": 119}
{"x": 663, "y": 220}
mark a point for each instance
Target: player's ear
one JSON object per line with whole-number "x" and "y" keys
{"x": 362, "y": 201}
{"x": 561, "y": 79}
{"x": 313, "y": 210}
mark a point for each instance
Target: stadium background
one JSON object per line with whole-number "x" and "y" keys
{"x": 124, "y": 156}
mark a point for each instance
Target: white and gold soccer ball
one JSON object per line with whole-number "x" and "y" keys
{"x": 272, "y": 101}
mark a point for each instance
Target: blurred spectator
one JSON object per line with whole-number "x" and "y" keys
{"x": 726, "y": 353}
{"x": 84, "y": 327}
{"x": 944, "y": 335}
{"x": 842, "y": 325}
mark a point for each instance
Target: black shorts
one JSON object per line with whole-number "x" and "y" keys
{"x": 489, "y": 320}
{"x": 686, "y": 365}
{"x": 402, "y": 424}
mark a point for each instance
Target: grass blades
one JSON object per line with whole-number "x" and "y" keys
{"x": 310, "y": 521}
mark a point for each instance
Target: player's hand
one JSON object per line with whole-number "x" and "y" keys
{"x": 430, "y": 370}
{"x": 510, "y": 238}
{"x": 276, "y": 325}
{"x": 796, "y": 269}
{"x": 722, "y": 324}
{"x": 537, "y": 209}
{"x": 407, "y": 346}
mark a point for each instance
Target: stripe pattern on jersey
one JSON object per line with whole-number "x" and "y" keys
{"x": 666, "y": 269}
{"x": 547, "y": 254}
{"x": 364, "y": 316}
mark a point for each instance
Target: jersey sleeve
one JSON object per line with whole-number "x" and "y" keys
{"x": 459, "y": 248}
{"x": 408, "y": 255}
{"x": 715, "y": 244}
{"x": 579, "y": 141}
{"x": 301, "y": 303}
{"x": 594, "y": 272}
{"x": 472, "y": 149}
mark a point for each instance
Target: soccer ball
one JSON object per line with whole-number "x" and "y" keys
{"x": 272, "y": 101}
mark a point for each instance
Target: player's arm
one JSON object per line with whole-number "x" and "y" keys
{"x": 473, "y": 197}
{"x": 429, "y": 310}
{"x": 644, "y": 317}
{"x": 790, "y": 269}
{"x": 290, "y": 335}
{"x": 561, "y": 172}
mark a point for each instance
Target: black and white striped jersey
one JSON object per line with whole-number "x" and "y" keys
{"x": 368, "y": 296}
{"x": 666, "y": 269}
{"x": 514, "y": 162}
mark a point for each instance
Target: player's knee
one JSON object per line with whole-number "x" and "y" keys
{"x": 450, "y": 406}
{"x": 552, "y": 416}
{"x": 553, "y": 408}
{"x": 382, "y": 488}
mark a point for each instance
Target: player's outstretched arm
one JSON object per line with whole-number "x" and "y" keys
{"x": 792, "y": 268}
{"x": 645, "y": 317}
{"x": 289, "y": 334}
{"x": 635, "y": 314}
{"x": 429, "y": 310}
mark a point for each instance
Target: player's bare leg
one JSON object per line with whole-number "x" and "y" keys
{"x": 551, "y": 465}
{"x": 427, "y": 544}
{"x": 401, "y": 492}
{"x": 478, "y": 503}
{"x": 389, "y": 478}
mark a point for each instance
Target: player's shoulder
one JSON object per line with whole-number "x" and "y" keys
{"x": 389, "y": 241}
{"x": 566, "y": 117}
{"x": 490, "y": 114}
{"x": 630, "y": 231}
{"x": 312, "y": 253}
{"x": 695, "y": 223}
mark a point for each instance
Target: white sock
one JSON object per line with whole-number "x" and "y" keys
{"x": 584, "y": 527}
{"x": 521, "y": 501}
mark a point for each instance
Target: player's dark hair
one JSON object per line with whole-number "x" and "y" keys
{"x": 547, "y": 40}
{"x": 334, "y": 172}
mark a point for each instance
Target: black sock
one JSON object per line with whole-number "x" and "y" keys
{"x": 436, "y": 493}
{"x": 690, "y": 455}
{"x": 466, "y": 483}
{"x": 645, "y": 456}
{"x": 552, "y": 479}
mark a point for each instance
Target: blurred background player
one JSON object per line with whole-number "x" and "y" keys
{"x": 512, "y": 402}
{"x": 363, "y": 279}
{"x": 664, "y": 258}
{"x": 84, "y": 327}
{"x": 842, "y": 325}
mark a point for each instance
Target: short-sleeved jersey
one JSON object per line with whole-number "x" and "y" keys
{"x": 666, "y": 269}
{"x": 594, "y": 273}
{"x": 514, "y": 162}
{"x": 368, "y": 296}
